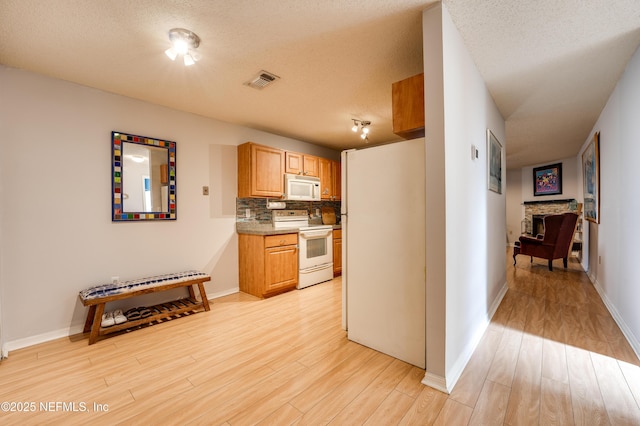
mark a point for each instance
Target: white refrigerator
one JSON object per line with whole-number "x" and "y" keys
{"x": 383, "y": 237}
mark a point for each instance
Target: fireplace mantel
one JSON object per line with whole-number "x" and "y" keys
{"x": 539, "y": 208}
{"x": 568, "y": 200}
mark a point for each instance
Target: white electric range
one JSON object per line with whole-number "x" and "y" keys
{"x": 315, "y": 246}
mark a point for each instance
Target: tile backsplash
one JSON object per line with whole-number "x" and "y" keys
{"x": 259, "y": 211}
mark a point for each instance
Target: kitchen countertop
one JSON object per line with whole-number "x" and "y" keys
{"x": 257, "y": 228}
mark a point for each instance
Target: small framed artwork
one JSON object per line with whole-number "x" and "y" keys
{"x": 591, "y": 179}
{"x": 547, "y": 180}
{"x": 494, "y": 163}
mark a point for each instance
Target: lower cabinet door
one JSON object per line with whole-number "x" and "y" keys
{"x": 281, "y": 268}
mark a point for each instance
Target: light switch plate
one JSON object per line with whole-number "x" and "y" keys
{"x": 205, "y": 190}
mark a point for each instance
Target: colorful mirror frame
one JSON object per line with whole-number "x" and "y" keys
{"x": 118, "y": 173}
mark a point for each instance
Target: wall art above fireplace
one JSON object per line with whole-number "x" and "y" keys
{"x": 547, "y": 180}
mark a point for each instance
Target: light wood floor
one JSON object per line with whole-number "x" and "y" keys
{"x": 552, "y": 355}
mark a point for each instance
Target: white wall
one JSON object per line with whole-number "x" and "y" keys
{"x": 612, "y": 263}
{"x": 57, "y": 234}
{"x": 471, "y": 281}
{"x": 2, "y": 195}
{"x": 515, "y": 209}
{"x": 435, "y": 197}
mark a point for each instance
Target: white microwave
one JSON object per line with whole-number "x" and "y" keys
{"x": 304, "y": 188}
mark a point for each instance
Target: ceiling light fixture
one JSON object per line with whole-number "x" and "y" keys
{"x": 363, "y": 126}
{"x": 185, "y": 43}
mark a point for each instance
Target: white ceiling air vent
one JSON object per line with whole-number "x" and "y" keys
{"x": 263, "y": 79}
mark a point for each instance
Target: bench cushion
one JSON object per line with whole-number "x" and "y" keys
{"x": 111, "y": 289}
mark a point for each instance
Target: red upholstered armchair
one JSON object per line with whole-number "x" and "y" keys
{"x": 554, "y": 244}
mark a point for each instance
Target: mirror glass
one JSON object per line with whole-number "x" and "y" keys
{"x": 144, "y": 178}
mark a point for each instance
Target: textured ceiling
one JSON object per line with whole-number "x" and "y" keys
{"x": 550, "y": 65}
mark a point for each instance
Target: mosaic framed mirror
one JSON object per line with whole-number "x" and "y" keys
{"x": 143, "y": 178}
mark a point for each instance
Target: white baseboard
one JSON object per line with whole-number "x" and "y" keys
{"x": 437, "y": 382}
{"x": 628, "y": 334}
{"x": 223, "y": 293}
{"x": 446, "y": 384}
{"x": 40, "y": 338}
{"x": 74, "y": 329}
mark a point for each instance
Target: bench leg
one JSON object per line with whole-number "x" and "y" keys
{"x": 203, "y": 296}
{"x": 89, "y": 321}
{"x": 97, "y": 319}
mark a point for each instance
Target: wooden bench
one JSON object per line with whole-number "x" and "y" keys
{"x": 96, "y": 298}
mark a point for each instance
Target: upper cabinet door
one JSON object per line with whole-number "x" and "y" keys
{"x": 326, "y": 179}
{"x": 260, "y": 171}
{"x": 330, "y": 181}
{"x": 407, "y": 97}
{"x": 301, "y": 164}
{"x": 293, "y": 163}
{"x": 336, "y": 174}
{"x": 311, "y": 165}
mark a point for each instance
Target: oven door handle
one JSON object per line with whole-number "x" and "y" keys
{"x": 316, "y": 234}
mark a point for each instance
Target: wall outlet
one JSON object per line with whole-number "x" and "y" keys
{"x": 599, "y": 260}
{"x": 247, "y": 213}
{"x": 317, "y": 212}
{"x": 205, "y": 190}
{"x": 114, "y": 280}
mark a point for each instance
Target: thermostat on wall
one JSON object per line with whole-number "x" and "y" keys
{"x": 474, "y": 153}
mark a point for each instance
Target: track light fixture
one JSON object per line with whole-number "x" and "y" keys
{"x": 363, "y": 126}
{"x": 185, "y": 43}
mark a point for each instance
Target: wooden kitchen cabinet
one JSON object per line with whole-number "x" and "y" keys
{"x": 268, "y": 264}
{"x": 260, "y": 171}
{"x": 336, "y": 174}
{"x": 302, "y": 164}
{"x": 330, "y": 183}
{"x": 407, "y": 98}
{"x": 337, "y": 252}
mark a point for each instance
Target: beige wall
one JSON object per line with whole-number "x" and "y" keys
{"x": 466, "y": 225}
{"x": 57, "y": 234}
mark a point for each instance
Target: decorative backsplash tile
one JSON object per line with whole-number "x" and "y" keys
{"x": 259, "y": 211}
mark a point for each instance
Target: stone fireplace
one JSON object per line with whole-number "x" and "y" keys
{"x": 535, "y": 211}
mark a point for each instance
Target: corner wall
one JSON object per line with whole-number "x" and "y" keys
{"x": 515, "y": 209}
{"x": 57, "y": 234}
{"x": 466, "y": 234}
{"x": 613, "y": 243}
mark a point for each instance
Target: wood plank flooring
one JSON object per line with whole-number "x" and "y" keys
{"x": 551, "y": 355}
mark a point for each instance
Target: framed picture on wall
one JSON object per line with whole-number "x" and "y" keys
{"x": 547, "y": 180}
{"x": 494, "y": 163}
{"x": 591, "y": 179}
